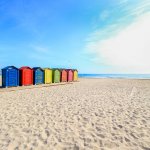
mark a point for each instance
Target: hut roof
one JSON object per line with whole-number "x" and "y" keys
{"x": 75, "y": 70}
{"x": 56, "y": 69}
{"x": 46, "y": 68}
{"x": 8, "y": 67}
{"x": 61, "y": 69}
{"x": 35, "y": 68}
{"x": 69, "y": 69}
{"x": 25, "y": 67}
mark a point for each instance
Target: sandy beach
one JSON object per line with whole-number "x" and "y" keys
{"x": 93, "y": 114}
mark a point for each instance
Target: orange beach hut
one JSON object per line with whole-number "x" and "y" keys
{"x": 63, "y": 75}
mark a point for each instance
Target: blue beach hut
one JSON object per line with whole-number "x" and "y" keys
{"x": 10, "y": 76}
{"x": 38, "y": 75}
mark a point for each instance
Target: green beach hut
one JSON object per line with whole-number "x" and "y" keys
{"x": 56, "y": 73}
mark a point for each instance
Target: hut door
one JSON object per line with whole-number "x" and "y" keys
{"x": 57, "y": 76}
{"x": 39, "y": 76}
{"x": 12, "y": 77}
{"x": 48, "y": 76}
{"x": 70, "y": 75}
{"x": 64, "y": 76}
{"x": 28, "y": 76}
{"x": 75, "y": 76}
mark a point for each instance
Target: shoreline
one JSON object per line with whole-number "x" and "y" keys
{"x": 114, "y": 78}
{"x": 80, "y": 78}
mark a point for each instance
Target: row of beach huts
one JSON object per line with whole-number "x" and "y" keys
{"x": 13, "y": 76}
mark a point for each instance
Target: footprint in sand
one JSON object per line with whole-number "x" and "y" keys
{"x": 101, "y": 136}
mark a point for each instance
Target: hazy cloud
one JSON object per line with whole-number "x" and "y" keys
{"x": 126, "y": 47}
{"x": 104, "y": 15}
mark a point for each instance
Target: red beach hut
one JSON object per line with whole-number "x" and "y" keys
{"x": 26, "y": 76}
{"x": 63, "y": 75}
{"x": 69, "y": 75}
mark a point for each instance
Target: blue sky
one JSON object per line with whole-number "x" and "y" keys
{"x": 94, "y": 36}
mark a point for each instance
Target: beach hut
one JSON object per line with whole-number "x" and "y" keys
{"x": 10, "y": 76}
{"x": 47, "y": 75}
{"x": 38, "y": 75}
{"x": 63, "y": 75}
{"x": 69, "y": 75}
{"x": 26, "y": 76}
{"x": 75, "y": 75}
{"x": 56, "y": 75}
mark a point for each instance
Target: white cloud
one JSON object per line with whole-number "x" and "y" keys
{"x": 139, "y": 8}
{"x": 128, "y": 50}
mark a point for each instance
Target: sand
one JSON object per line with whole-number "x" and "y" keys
{"x": 93, "y": 114}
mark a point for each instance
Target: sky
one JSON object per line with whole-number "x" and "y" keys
{"x": 93, "y": 36}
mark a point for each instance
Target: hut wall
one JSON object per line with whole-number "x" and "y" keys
{"x": 47, "y": 76}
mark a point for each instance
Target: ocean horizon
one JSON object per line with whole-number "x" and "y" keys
{"x": 120, "y": 76}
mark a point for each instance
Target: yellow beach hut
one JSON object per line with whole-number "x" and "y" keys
{"x": 75, "y": 75}
{"x": 47, "y": 75}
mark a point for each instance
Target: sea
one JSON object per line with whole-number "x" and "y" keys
{"x": 116, "y": 76}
